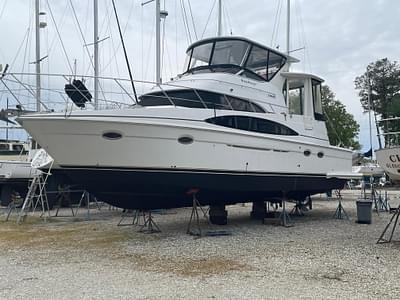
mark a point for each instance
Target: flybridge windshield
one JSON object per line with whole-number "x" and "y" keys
{"x": 234, "y": 56}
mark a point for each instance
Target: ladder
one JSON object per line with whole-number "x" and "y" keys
{"x": 35, "y": 196}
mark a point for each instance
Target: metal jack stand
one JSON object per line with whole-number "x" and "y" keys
{"x": 301, "y": 206}
{"x": 380, "y": 203}
{"x": 194, "y": 216}
{"x": 284, "y": 217}
{"x": 63, "y": 195}
{"x": 149, "y": 225}
{"x": 86, "y": 197}
{"x": 340, "y": 213}
{"x": 395, "y": 217}
{"x": 134, "y": 214}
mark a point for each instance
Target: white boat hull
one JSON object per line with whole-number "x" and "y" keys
{"x": 148, "y": 165}
{"x": 389, "y": 160}
{"x": 16, "y": 170}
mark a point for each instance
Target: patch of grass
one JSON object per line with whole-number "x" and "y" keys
{"x": 184, "y": 266}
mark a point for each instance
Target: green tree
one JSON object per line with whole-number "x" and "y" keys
{"x": 342, "y": 128}
{"x": 384, "y": 78}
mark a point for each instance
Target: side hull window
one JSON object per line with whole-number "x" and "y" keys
{"x": 252, "y": 124}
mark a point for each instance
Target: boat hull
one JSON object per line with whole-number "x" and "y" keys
{"x": 152, "y": 188}
{"x": 152, "y": 162}
{"x": 389, "y": 160}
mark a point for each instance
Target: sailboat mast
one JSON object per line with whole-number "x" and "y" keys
{"x": 96, "y": 53}
{"x": 219, "y": 17}
{"x": 369, "y": 114}
{"x": 37, "y": 61}
{"x": 288, "y": 28}
{"x": 158, "y": 42}
{"x": 288, "y": 47}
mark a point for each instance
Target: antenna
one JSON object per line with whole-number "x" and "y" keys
{"x": 219, "y": 17}
{"x": 96, "y": 53}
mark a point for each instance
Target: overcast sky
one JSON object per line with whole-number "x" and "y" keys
{"x": 340, "y": 37}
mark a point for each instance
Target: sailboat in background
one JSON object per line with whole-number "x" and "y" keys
{"x": 16, "y": 156}
{"x": 388, "y": 156}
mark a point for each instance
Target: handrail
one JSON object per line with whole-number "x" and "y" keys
{"x": 120, "y": 82}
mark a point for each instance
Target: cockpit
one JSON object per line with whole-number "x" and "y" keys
{"x": 234, "y": 55}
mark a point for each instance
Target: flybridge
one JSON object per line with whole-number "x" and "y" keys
{"x": 235, "y": 55}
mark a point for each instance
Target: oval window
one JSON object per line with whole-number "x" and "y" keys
{"x": 185, "y": 140}
{"x": 112, "y": 135}
{"x": 307, "y": 152}
{"x": 320, "y": 154}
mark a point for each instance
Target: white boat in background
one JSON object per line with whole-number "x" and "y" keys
{"x": 15, "y": 168}
{"x": 369, "y": 169}
{"x": 236, "y": 125}
{"x": 15, "y": 161}
{"x": 389, "y": 156}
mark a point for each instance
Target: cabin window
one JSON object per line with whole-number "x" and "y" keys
{"x": 229, "y": 52}
{"x": 199, "y": 99}
{"x": 201, "y": 55}
{"x": 296, "y": 96}
{"x": 4, "y": 147}
{"x": 317, "y": 101}
{"x": 252, "y": 124}
{"x": 185, "y": 98}
{"x": 17, "y": 147}
{"x": 154, "y": 99}
{"x": 214, "y": 100}
{"x": 264, "y": 63}
{"x": 275, "y": 63}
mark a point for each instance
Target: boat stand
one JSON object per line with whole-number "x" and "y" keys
{"x": 149, "y": 225}
{"x": 64, "y": 195}
{"x": 284, "y": 217}
{"x": 300, "y": 207}
{"x": 394, "y": 220}
{"x": 195, "y": 229}
{"x": 340, "y": 213}
{"x": 381, "y": 203}
{"x": 86, "y": 198}
{"x": 136, "y": 216}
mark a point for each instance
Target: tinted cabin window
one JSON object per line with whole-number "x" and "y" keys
{"x": 199, "y": 99}
{"x": 186, "y": 98}
{"x": 17, "y": 147}
{"x": 317, "y": 101}
{"x": 154, "y": 99}
{"x": 4, "y": 147}
{"x": 252, "y": 124}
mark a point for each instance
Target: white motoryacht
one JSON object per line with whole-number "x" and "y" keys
{"x": 236, "y": 125}
{"x": 388, "y": 157}
{"x": 15, "y": 165}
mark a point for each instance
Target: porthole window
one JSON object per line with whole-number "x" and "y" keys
{"x": 185, "y": 140}
{"x": 112, "y": 135}
{"x": 307, "y": 152}
{"x": 320, "y": 154}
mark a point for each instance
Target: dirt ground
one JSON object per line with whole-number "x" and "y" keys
{"x": 318, "y": 257}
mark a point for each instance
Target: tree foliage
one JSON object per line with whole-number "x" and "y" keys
{"x": 384, "y": 78}
{"x": 342, "y": 128}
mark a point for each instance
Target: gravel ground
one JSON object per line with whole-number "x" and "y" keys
{"x": 319, "y": 257}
